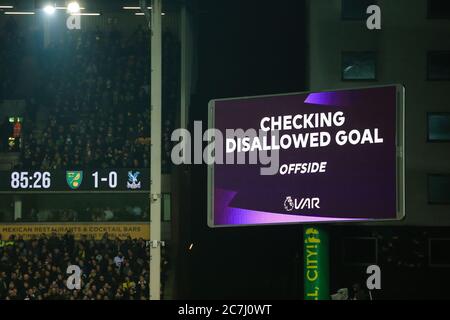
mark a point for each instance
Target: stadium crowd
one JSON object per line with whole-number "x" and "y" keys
{"x": 111, "y": 269}
{"x": 91, "y": 90}
{"x": 87, "y": 214}
{"x": 10, "y": 55}
{"x": 87, "y": 97}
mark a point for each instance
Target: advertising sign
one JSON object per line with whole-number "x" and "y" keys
{"x": 91, "y": 230}
{"x": 316, "y": 267}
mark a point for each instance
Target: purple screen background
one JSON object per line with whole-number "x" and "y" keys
{"x": 360, "y": 180}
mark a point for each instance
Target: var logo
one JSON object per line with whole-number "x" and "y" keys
{"x": 303, "y": 203}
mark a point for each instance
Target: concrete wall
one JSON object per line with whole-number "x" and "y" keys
{"x": 401, "y": 46}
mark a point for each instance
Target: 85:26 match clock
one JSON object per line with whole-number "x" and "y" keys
{"x": 118, "y": 180}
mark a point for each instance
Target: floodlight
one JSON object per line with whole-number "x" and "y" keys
{"x": 49, "y": 9}
{"x": 73, "y": 7}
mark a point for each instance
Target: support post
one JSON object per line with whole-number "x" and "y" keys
{"x": 155, "y": 151}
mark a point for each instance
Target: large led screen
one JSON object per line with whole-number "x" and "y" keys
{"x": 333, "y": 156}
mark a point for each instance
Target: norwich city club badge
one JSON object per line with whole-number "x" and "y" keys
{"x": 74, "y": 179}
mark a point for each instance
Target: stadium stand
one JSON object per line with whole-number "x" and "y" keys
{"x": 89, "y": 107}
{"x": 112, "y": 269}
{"x": 127, "y": 213}
{"x": 86, "y": 105}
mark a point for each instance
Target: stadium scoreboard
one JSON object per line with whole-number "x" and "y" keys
{"x": 102, "y": 180}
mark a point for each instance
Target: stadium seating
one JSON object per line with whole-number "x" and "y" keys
{"x": 90, "y": 107}
{"x": 87, "y": 107}
{"x": 111, "y": 268}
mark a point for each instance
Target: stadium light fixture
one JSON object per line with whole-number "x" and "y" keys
{"x": 141, "y": 14}
{"x": 85, "y": 14}
{"x": 49, "y": 9}
{"x": 19, "y": 12}
{"x": 65, "y": 8}
{"x": 134, "y": 8}
{"x": 73, "y": 7}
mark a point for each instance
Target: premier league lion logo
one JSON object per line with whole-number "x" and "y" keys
{"x": 288, "y": 204}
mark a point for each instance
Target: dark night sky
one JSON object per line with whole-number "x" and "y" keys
{"x": 244, "y": 48}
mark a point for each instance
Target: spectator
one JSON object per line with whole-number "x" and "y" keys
{"x": 118, "y": 260}
{"x": 109, "y": 214}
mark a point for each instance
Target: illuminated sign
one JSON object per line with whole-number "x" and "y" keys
{"x": 88, "y": 229}
{"x": 114, "y": 180}
{"x": 312, "y": 157}
{"x": 315, "y": 264}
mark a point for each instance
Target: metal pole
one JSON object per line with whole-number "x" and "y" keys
{"x": 155, "y": 151}
{"x": 184, "y": 83}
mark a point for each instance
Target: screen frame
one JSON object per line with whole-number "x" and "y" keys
{"x": 400, "y": 159}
